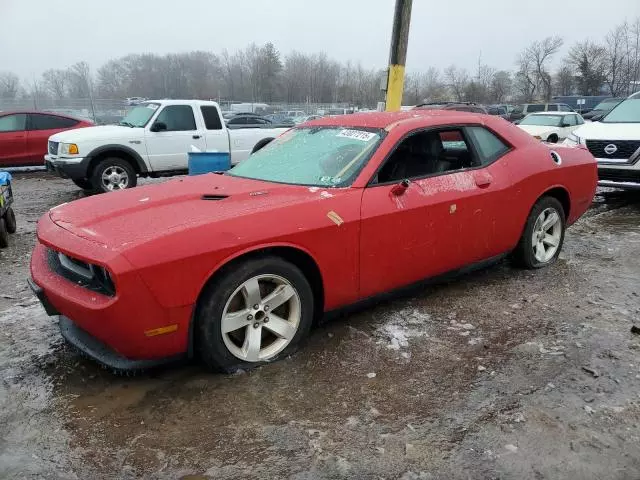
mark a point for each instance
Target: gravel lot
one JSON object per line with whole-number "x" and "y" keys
{"x": 502, "y": 373}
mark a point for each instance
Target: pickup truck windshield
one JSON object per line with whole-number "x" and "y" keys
{"x": 626, "y": 112}
{"x": 139, "y": 116}
{"x": 313, "y": 156}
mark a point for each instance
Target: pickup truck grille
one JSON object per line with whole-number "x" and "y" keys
{"x": 625, "y": 148}
{"x": 53, "y": 148}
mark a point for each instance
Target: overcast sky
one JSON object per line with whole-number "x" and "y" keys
{"x": 39, "y": 34}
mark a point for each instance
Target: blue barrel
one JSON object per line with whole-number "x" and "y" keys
{"x": 207, "y": 162}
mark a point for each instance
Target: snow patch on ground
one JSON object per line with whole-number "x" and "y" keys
{"x": 402, "y": 326}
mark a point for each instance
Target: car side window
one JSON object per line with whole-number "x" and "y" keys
{"x": 535, "y": 108}
{"x": 211, "y": 118}
{"x": 552, "y": 108}
{"x": 579, "y": 120}
{"x": 13, "y": 123}
{"x": 570, "y": 120}
{"x": 241, "y": 120}
{"x": 489, "y": 146}
{"x": 39, "y": 121}
{"x": 428, "y": 153}
{"x": 177, "y": 118}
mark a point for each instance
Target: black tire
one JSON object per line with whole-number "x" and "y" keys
{"x": 112, "y": 162}
{"x": 10, "y": 220}
{"x": 261, "y": 144}
{"x": 208, "y": 338}
{"x": 4, "y": 235}
{"x": 83, "y": 183}
{"x": 523, "y": 255}
{"x": 553, "y": 138}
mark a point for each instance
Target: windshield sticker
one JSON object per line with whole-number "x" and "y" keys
{"x": 356, "y": 135}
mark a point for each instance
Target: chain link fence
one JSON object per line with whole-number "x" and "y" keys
{"x": 109, "y": 111}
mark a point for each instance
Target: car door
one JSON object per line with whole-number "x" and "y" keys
{"x": 13, "y": 140}
{"x": 40, "y": 127}
{"x": 216, "y": 138}
{"x": 444, "y": 216}
{"x": 171, "y": 136}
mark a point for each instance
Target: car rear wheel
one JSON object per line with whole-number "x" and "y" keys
{"x": 113, "y": 174}
{"x": 4, "y": 235}
{"x": 10, "y": 220}
{"x": 543, "y": 235}
{"x": 83, "y": 183}
{"x": 257, "y": 312}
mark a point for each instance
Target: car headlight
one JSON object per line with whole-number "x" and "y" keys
{"x": 69, "y": 149}
{"x": 572, "y": 139}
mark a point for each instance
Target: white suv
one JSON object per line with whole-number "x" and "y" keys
{"x": 615, "y": 142}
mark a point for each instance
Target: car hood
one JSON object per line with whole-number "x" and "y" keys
{"x": 609, "y": 131}
{"x": 539, "y": 130}
{"x": 121, "y": 220}
{"x": 102, "y": 132}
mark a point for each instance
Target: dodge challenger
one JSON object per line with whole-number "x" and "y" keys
{"x": 235, "y": 268}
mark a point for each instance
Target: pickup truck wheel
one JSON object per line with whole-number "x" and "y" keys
{"x": 83, "y": 183}
{"x": 113, "y": 174}
{"x": 10, "y": 220}
{"x": 543, "y": 235}
{"x": 256, "y": 312}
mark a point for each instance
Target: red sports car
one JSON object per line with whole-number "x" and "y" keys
{"x": 235, "y": 268}
{"x": 24, "y": 135}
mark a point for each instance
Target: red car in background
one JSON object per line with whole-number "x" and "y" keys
{"x": 24, "y": 135}
{"x": 235, "y": 268}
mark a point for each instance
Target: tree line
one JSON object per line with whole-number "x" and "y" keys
{"x": 262, "y": 74}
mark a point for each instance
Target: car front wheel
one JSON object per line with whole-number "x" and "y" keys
{"x": 543, "y": 235}
{"x": 256, "y": 312}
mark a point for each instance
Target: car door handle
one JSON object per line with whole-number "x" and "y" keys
{"x": 482, "y": 180}
{"x": 196, "y": 137}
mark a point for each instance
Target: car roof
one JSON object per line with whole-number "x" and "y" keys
{"x": 387, "y": 119}
{"x": 41, "y": 112}
{"x": 553, "y": 113}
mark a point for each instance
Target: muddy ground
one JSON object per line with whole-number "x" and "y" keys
{"x": 502, "y": 373}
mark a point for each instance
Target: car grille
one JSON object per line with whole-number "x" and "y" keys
{"x": 619, "y": 175}
{"x": 80, "y": 273}
{"x": 53, "y": 148}
{"x": 625, "y": 148}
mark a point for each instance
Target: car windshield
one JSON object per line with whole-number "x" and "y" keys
{"x": 139, "y": 116}
{"x": 316, "y": 156}
{"x": 546, "y": 120}
{"x": 626, "y": 112}
{"x": 606, "y": 105}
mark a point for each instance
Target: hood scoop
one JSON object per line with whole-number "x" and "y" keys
{"x": 209, "y": 196}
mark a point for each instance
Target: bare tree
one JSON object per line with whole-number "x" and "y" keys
{"x": 55, "y": 82}
{"x": 457, "y": 80}
{"x": 615, "y": 60}
{"x": 9, "y": 85}
{"x": 564, "y": 79}
{"x": 80, "y": 82}
{"x": 526, "y": 78}
{"x": 540, "y": 54}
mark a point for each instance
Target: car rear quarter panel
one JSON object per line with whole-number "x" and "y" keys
{"x": 177, "y": 266}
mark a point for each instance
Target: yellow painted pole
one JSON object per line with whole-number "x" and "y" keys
{"x": 398, "y": 54}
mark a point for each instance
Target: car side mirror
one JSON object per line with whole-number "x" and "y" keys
{"x": 400, "y": 188}
{"x": 159, "y": 127}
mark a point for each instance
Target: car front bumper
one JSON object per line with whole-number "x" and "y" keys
{"x": 73, "y": 168}
{"x": 124, "y": 331}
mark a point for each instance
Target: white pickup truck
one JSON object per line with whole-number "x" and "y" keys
{"x": 152, "y": 140}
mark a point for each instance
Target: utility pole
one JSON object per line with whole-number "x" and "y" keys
{"x": 398, "y": 54}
